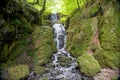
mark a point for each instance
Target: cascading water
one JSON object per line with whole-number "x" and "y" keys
{"x": 63, "y": 66}
{"x": 69, "y": 71}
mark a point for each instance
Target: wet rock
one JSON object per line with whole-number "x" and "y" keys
{"x": 107, "y": 74}
{"x": 61, "y": 39}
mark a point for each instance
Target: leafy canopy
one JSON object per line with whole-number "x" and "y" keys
{"x": 59, "y": 6}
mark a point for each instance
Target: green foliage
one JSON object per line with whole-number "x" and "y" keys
{"x": 18, "y": 72}
{"x": 16, "y": 19}
{"x": 35, "y": 4}
{"x": 60, "y": 6}
{"x": 88, "y": 65}
{"x": 80, "y": 34}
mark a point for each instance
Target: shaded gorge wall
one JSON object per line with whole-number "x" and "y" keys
{"x": 95, "y": 31}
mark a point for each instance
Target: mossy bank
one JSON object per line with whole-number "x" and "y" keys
{"x": 95, "y": 30}
{"x": 25, "y": 43}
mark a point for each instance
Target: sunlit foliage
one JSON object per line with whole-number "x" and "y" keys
{"x": 59, "y": 6}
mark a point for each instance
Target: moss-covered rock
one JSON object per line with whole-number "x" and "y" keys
{"x": 44, "y": 79}
{"x": 17, "y": 72}
{"x": 105, "y": 21}
{"x": 107, "y": 58}
{"x": 39, "y": 70}
{"x": 15, "y": 29}
{"x": 80, "y": 34}
{"x": 88, "y": 65}
{"x": 108, "y": 55}
{"x": 114, "y": 78}
{"x": 44, "y": 44}
{"x": 64, "y": 61}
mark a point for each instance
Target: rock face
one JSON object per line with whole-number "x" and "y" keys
{"x": 44, "y": 45}
{"x": 22, "y": 38}
{"x": 88, "y": 65}
{"x": 107, "y": 74}
{"x": 96, "y": 31}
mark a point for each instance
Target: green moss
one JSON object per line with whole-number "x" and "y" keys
{"x": 80, "y": 34}
{"x": 21, "y": 45}
{"x": 94, "y": 10}
{"x": 18, "y": 72}
{"x": 107, "y": 58}
{"x": 81, "y": 31}
{"x": 63, "y": 60}
{"x": 109, "y": 30}
{"x": 44, "y": 44}
{"x": 45, "y": 79}
{"x": 88, "y": 65}
{"x": 114, "y": 78}
{"x": 39, "y": 70}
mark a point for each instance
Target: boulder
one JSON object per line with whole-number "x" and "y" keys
{"x": 88, "y": 65}
{"x": 17, "y": 72}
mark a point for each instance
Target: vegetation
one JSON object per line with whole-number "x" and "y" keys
{"x": 26, "y": 39}
{"x": 98, "y": 35}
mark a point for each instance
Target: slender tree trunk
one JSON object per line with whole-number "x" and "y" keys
{"x": 43, "y": 8}
{"x": 78, "y": 4}
{"x": 42, "y": 11}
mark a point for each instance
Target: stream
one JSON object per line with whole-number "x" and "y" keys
{"x": 63, "y": 65}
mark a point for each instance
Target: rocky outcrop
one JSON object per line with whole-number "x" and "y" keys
{"x": 43, "y": 44}
{"x": 96, "y": 31}
{"x": 22, "y": 39}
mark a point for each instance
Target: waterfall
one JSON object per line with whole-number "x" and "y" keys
{"x": 63, "y": 65}
{"x": 54, "y": 18}
{"x": 69, "y": 71}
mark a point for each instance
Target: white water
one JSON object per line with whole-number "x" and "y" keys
{"x": 55, "y": 70}
{"x": 60, "y": 39}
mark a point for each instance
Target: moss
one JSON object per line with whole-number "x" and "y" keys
{"x": 109, "y": 30}
{"x": 82, "y": 28}
{"x": 44, "y": 44}
{"x": 44, "y": 79}
{"x": 88, "y": 65}
{"x": 107, "y": 58}
{"x": 39, "y": 70}
{"x": 80, "y": 34}
{"x": 63, "y": 58}
{"x": 114, "y": 78}
{"x": 64, "y": 61}
{"x": 18, "y": 72}
{"x": 21, "y": 45}
{"x": 94, "y": 10}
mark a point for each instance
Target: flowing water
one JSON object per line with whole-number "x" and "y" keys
{"x": 67, "y": 71}
{"x": 63, "y": 66}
